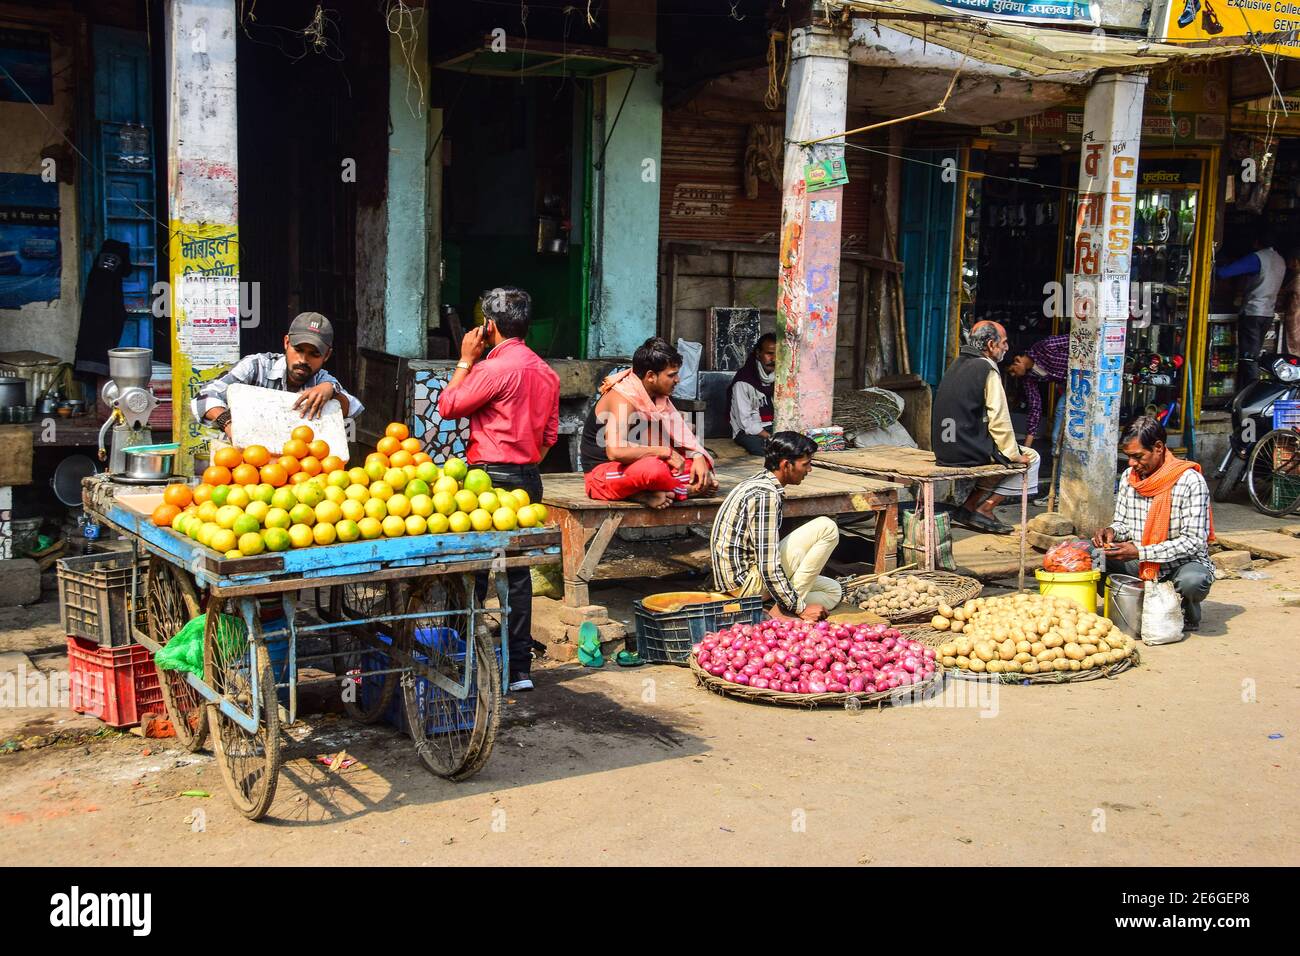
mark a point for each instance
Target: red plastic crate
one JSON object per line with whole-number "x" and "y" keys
{"x": 115, "y": 684}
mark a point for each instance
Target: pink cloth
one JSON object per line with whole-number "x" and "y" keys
{"x": 512, "y": 401}
{"x": 660, "y": 413}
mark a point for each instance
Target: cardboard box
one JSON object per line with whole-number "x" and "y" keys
{"x": 15, "y": 455}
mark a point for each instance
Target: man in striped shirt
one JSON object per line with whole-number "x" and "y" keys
{"x": 749, "y": 559}
{"x": 1044, "y": 363}
{"x": 1162, "y": 525}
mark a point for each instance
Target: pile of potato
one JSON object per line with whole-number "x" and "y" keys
{"x": 891, "y": 596}
{"x": 1028, "y": 634}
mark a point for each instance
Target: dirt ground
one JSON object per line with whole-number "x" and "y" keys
{"x": 1189, "y": 758}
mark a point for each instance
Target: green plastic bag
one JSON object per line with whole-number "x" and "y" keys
{"x": 589, "y": 654}
{"x": 184, "y": 652}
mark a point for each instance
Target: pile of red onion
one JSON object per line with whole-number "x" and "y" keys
{"x": 796, "y": 657}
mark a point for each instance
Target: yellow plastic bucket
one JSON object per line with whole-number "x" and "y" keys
{"x": 1080, "y": 586}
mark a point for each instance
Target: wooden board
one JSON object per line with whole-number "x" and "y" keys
{"x": 1272, "y": 545}
{"x": 264, "y": 416}
{"x": 569, "y": 490}
{"x": 915, "y": 463}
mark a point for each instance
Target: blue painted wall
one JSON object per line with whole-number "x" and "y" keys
{"x": 406, "y": 293}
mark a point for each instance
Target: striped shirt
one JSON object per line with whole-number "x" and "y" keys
{"x": 1189, "y": 523}
{"x": 265, "y": 370}
{"x": 745, "y": 535}
{"x": 1051, "y": 358}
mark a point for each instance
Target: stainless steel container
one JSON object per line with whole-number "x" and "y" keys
{"x": 130, "y": 367}
{"x": 150, "y": 461}
{"x": 13, "y": 391}
{"x": 1124, "y": 603}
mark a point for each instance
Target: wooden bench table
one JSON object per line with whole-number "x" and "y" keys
{"x": 587, "y": 526}
{"x": 916, "y": 466}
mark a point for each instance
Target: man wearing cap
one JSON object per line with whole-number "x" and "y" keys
{"x": 307, "y": 347}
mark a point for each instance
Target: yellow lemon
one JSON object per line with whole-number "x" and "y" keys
{"x": 438, "y": 523}
{"x": 370, "y": 528}
{"x": 348, "y": 530}
{"x": 238, "y": 497}
{"x": 458, "y": 522}
{"x": 258, "y": 510}
{"x": 303, "y": 514}
{"x": 480, "y": 519}
{"x": 251, "y": 543}
{"x": 446, "y": 484}
{"x": 415, "y": 525}
{"x": 422, "y": 505}
{"x": 394, "y": 527}
{"x": 357, "y": 493}
{"x": 277, "y": 539}
{"x": 277, "y": 518}
{"x": 376, "y": 508}
{"x": 224, "y": 540}
{"x": 206, "y": 531}
{"x": 353, "y": 510}
{"x": 521, "y": 497}
{"x": 327, "y": 512}
{"x": 396, "y": 477}
{"x": 381, "y": 490}
{"x": 334, "y": 494}
{"x": 489, "y": 501}
{"x": 444, "y": 502}
{"x": 539, "y": 509}
{"x": 324, "y": 533}
{"x": 466, "y": 501}
{"x": 399, "y": 505}
{"x": 227, "y": 515}
{"x": 208, "y": 511}
{"x": 358, "y": 476}
{"x": 300, "y": 535}
{"x": 234, "y": 554}
{"x": 503, "y": 519}
{"x": 526, "y": 517}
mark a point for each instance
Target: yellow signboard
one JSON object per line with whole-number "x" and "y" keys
{"x": 1220, "y": 19}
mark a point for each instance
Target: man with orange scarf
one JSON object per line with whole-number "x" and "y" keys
{"x": 1163, "y": 526}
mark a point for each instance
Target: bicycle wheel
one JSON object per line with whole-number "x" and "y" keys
{"x": 453, "y": 737}
{"x": 170, "y": 603}
{"x": 366, "y": 697}
{"x": 250, "y": 763}
{"x": 1273, "y": 474}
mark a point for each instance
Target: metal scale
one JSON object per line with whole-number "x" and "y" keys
{"x": 128, "y": 394}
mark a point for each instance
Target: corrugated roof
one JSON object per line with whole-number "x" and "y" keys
{"x": 1035, "y": 50}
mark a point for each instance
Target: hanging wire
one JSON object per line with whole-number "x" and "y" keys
{"x": 402, "y": 22}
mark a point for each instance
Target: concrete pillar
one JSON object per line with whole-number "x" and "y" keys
{"x": 808, "y": 278}
{"x": 624, "y": 300}
{"x": 1103, "y": 248}
{"x": 202, "y": 193}
{"x": 409, "y": 300}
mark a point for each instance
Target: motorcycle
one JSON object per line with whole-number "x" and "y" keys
{"x": 1252, "y": 415}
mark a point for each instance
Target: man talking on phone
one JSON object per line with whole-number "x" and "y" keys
{"x": 512, "y": 400}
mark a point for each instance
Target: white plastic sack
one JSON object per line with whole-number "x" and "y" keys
{"x": 1162, "y": 613}
{"x": 688, "y": 381}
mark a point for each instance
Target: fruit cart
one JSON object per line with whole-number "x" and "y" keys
{"x": 396, "y": 622}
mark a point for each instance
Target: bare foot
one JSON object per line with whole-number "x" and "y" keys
{"x": 777, "y": 614}
{"x": 656, "y": 500}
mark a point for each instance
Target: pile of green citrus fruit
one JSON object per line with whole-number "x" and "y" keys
{"x": 378, "y": 500}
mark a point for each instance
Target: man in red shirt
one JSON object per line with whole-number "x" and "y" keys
{"x": 512, "y": 400}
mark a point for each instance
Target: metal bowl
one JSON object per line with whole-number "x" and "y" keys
{"x": 150, "y": 461}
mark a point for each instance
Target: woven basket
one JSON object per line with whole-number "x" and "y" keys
{"x": 811, "y": 701}
{"x": 954, "y": 589}
{"x": 924, "y": 633}
{"x": 1055, "y": 677}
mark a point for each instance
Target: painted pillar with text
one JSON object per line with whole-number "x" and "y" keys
{"x": 202, "y": 194}
{"x": 808, "y": 277}
{"x": 1099, "y": 298}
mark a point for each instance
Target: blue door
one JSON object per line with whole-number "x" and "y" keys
{"x": 117, "y": 195}
{"x": 928, "y": 206}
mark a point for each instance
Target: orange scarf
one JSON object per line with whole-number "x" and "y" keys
{"x": 1159, "y": 485}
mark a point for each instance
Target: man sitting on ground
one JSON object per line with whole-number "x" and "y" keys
{"x": 635, "y": 444}
{"x": 1163, "y": 526}
{"x": 748, "y": 558}
{"x": 971, "y": 425}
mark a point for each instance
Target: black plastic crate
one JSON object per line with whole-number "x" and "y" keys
{"x": 95, "y": 597}
{"x": 667, "y": 637}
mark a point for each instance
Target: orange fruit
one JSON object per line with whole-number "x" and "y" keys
{"x": 303, "y": 433}
{"x": 228, "y": 457}
{"x": 257, "y": 455}
{"x": 296, "y": 448}
{"x": 245, "y": 474}
{"x": 411, "y": 445}
{"x": 165, "y": 514}
{"x": 299, "y": 477}
{"x": 319, "y": 449}
{"x": 397, "y": 430}
{"x": 202, "y": 493}
{"x": 310, "y": 466}
{"x": 332, "y": 463}
{"x": 401, "y": 458}
{"x": 380, "y": 457}
{"x": 419, "y": 458}
{"x": 387, "y": 445}
{"x": 216, "y": 475}
{"x": 179, "y": 495}
{"x": 273, "y": 474}
{"x": 290, "y": 464}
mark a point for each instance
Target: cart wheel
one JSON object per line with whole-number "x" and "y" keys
{"x": 453, "y": 737}
{"x": 170, "y": 603}
{"x": 368, "y": 697}
{"x": 1273, "y": 475}
{"x": 250, "y": 763}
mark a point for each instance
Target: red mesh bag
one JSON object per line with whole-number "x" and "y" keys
{"x": 1068, "y": 557}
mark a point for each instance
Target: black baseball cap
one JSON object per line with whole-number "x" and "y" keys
{"x": 311, "y": 328}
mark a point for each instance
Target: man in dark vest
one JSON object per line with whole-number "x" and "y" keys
{"x": 749, "y": 397}
{"x": 971, "y": 425}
